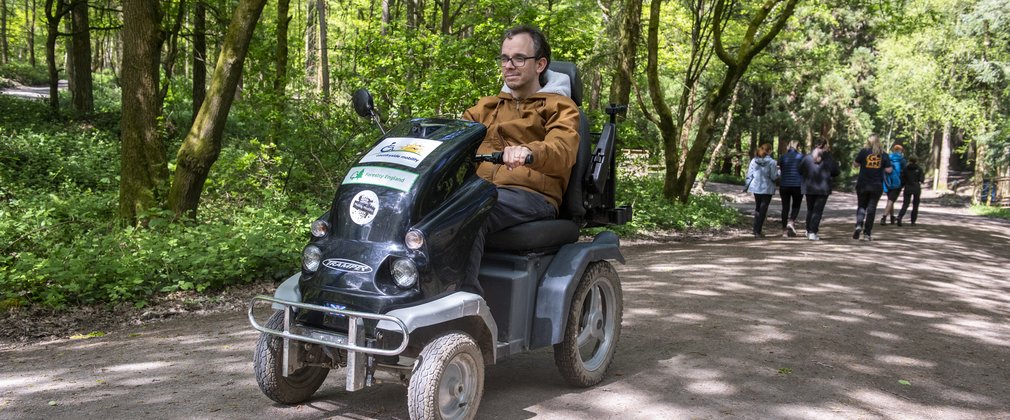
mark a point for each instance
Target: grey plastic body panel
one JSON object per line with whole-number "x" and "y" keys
{"x": 560, "y": 281}
{"x": 288, "y": 290}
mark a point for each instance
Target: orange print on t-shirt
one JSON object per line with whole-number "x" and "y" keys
{"x": 873, "y": 162}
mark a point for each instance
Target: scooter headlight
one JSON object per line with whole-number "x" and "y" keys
{"x": 311, "y": 257}
{"x": 404, "y": 273}
{"x": 320, "y": 228}
{"x": 414, "y": 239}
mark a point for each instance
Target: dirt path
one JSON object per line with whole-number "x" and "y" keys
{"x": 913, "y": 325}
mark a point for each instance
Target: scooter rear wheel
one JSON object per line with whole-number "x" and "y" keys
{"x": 593, "y": 328}
{"x": 448, "y": 381}
{"x": 268, "y": 362}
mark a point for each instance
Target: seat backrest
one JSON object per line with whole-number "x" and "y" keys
{"x": 572, "y": 202}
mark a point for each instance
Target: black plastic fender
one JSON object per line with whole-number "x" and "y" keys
{"x": 554, "y": 296}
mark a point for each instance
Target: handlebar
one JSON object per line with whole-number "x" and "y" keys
{"x": 496, "y": 158}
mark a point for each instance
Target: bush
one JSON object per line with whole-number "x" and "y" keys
{"x": 24, "y": 74}
{"x": 131, "y": 264}
{"x": 652, "y": 212}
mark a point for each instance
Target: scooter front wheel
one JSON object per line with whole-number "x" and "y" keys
{"x": 448, "y": 381}
{"x": 268, "y": 362}
{"x": 593, "y": 328}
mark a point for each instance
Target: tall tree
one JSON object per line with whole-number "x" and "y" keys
{"x": 202, "y": 145}
{"x": 280, "y": 67}
{"x": 5, "y": 50}
{"x": 324, "y": 61}
{"x": 680, "y": 178}
{"x": 199, "y": 55}
{"x": 627, "y": 51}
{"x": 82, "y": 94}
{"x": 144, "y": 167}
{"x": 55, "y": 11}
{"x": 30, "y": 26}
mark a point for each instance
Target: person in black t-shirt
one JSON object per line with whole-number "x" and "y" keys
{"x": 873, "y": 163}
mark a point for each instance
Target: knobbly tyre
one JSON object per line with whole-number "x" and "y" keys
{"x": 377, "y": 292}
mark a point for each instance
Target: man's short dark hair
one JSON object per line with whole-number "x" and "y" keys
{"x": 540, "y": 46}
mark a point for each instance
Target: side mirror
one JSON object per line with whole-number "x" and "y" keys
{"x": 365, "y": 107}
{"x": 363, "y": 103}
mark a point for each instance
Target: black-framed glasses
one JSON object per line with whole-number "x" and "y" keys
{"x": 518, "y": 61}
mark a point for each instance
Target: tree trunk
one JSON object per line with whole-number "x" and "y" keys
{"x": 311, "y": 44}
{"x": 82, "y": 93}
{"x": 714, "y": 158}
{"x": 324, "y": 61}
{"x": 943, "y": 165}
{"x": 144, "y": 167}
{"x": 55, "y": 9}
{"x": 5, "y": 50}
{"x": 202, "y": 145}
{"x": 199, "y": 55}
{"x": 627, "y": 51}
{"x": 30, "y": 24}
{"x": 168, "y": 63}
{"x": 280, "y": 69}
{"x": 665, "y": 121}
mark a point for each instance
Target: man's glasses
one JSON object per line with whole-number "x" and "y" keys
{"x": 518, "y": 61}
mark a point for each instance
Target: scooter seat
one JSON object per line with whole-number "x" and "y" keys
{"x": 535, "y": 236}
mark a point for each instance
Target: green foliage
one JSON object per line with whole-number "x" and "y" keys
{"x": 130, "y": 264}
{"x": 652, "y": 212}
{"x": 24, "y": 73}
{"x": 60, "y": 241}
{"x": 991, "y": 211}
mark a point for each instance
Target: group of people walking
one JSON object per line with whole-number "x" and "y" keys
{"x": 811, "y": 175}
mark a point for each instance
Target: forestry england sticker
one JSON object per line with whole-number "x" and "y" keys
{"x": 384, "y": 177}
{"x": 401, "y": 151}
{"x": 364, "y": 206}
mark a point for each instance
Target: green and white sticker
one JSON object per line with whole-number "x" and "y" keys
{"x": 383, "y": 177}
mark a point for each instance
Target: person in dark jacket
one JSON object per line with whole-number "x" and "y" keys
{"x": 817, "y": 170}
{"x": 789, "y": 187}
{"x": 873, "y": 164}
{"x": 912, "y": 178}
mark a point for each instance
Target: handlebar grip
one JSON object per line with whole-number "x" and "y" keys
{"x": 496, "y": 158}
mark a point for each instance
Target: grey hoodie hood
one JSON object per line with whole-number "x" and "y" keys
{"x": 558, "y": 83}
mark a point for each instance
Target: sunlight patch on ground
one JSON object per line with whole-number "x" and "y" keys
{"x": 887, "y": 402}
{"x": 701, "y": 292}
{"x": 984, "y": 331}
{"x": 757, "y": 334}
{"x": 691, "y": 317}
{"x": 885, "y": 335}
{"x": 138, "y": 367}
{"x": 711, "y": 388}
{"x": 892, "y": 359}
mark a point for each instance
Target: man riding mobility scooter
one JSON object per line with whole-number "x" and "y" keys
{"x": 378, "y": 292}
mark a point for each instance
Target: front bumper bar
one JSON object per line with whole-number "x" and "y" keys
{"x": 353, "y": 342}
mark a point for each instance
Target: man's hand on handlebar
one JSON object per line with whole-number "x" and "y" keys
{"x": 499, "y": 157}
{"x": 515, "y": 156}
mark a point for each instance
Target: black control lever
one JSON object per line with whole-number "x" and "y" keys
{"x": 496, "y": 158}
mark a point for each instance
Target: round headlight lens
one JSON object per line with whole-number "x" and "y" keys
{"x": 404, "y": 273}
{"x": 414, "y": 239}
{"x": 311, "y": 257}
{"x": 320, "y": 228}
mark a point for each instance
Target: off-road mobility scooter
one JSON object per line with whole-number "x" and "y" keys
{"x": 378, "y": 289}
